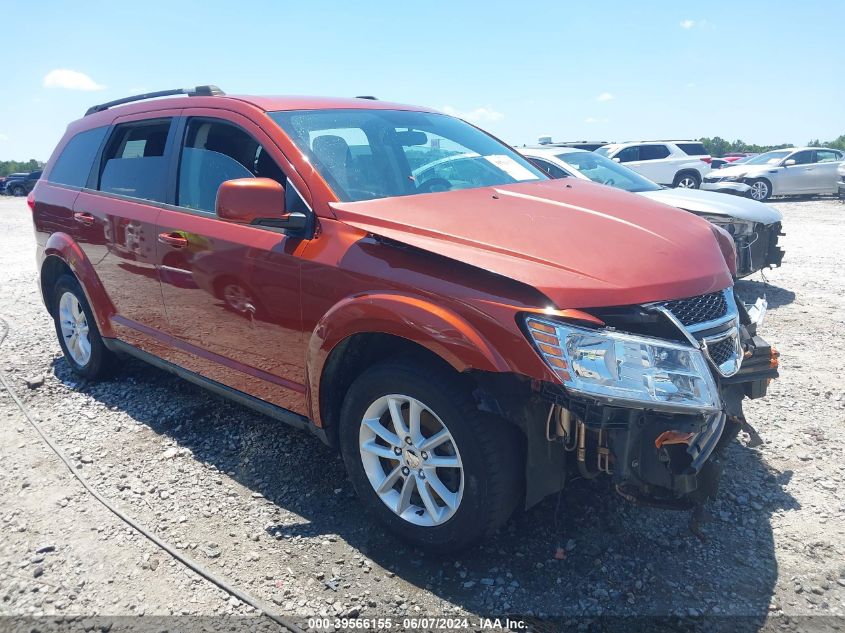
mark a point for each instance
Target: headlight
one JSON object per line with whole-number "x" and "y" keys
{"x": 738, "y": 178}
{"x": 732, "y": 225}
{"x": 626, "y": 369}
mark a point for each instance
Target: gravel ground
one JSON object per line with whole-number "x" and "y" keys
{"x": 270, "y": 508}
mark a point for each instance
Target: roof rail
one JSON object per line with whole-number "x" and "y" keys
{"x": 199, "y": 91}
{"x": 370, "y": 97}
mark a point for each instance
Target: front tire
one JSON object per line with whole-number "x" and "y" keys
{"x": 76, "y": 328}
{"x": 687, "y": 180}
{"x": 761, "y": 189}
{"x": 430, "y": 466}
{"x": 18, "y": 191}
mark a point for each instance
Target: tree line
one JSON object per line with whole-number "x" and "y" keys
{"x": 15, "y": 166}
{"x": 718, "y": 146}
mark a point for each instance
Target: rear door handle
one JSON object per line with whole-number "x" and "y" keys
{"x": 84, "y": 218}
{"x": 173, "y": 239}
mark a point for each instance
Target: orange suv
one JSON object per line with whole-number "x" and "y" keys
{"x": 467, "y": 332}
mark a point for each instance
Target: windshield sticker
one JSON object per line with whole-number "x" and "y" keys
{"x": 511, "y": 167}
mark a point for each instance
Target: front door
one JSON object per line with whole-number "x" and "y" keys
{"x": 232, "y": 292}
{"x": 797, "y": 178}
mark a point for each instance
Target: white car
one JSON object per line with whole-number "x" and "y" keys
{"x": 784, "y": 172}
{"x": 754, "y": 226}
{"x": 664, "y": 162}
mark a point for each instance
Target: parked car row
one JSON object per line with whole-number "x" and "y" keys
{"x": 783, "y": 172}
{"x": 19, "y": 184}
{"x": 755, "y": 227}
{"x": 467, "y": 332}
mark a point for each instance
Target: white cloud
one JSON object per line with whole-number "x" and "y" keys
{"x": 687, "y": 24}
{"x": 70, "y": 80}
{"x": 605, "y": 96}
{"x": 479, "y": 115}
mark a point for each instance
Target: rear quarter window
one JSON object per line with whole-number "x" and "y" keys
{"x": 693, "y": 149}
{"x": 73, "y": 165}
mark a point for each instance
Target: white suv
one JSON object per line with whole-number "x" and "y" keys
{"x": 665, "y": 162}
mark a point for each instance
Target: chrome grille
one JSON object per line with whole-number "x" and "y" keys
{"x": 723, "y": 351}
{"x": 698, "y": 309}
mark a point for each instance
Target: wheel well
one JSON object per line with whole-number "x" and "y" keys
{"x": 52, "y": 268}
{"x": 687, "y": 172}
{"x": 352, "y": 356}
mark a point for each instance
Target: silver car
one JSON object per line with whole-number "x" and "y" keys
{"x": 783, "y": 172}
{"x": 755, "y": 227}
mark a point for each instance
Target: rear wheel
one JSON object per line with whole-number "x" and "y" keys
{"x": 76, "y": 328}
{"x": 433, "y": 469}
{"x": 761, "y": 189}
{"x": 687, "y": 180}
{"x": 17, "y": 191}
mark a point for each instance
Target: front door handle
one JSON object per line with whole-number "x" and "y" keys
{"x": 173, "y": 239}
{"x": 84, "y": 218}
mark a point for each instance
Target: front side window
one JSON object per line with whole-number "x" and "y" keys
{"x": 802, "y": 158}
{"x": 629, "y": 154}
{"x": 214, "y": 152}
{"x": 133, "y": 162}
{"x": 73, "y": 166}
{"x": 607, "y": 172}
{"x": 653, "y": 152}
{"x": 369, "y": 154}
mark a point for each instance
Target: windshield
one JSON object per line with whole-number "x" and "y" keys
{"x": 607, "y": 172}
{"x": 369, "y": 154}
{"x": 769, "y": 158}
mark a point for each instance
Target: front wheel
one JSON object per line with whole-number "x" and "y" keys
{"x": 18, "y": 191}
{"x": 761, "y": 189}
{"x": 430, "y": 466}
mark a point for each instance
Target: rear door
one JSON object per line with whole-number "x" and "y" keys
{"x": 232, "y": 292}
{"x": 117, "y": 217}
{"x": 825, "y": 175}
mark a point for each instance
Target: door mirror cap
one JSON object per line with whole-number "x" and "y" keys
{"x": 789, "y": 163}
{"x": 256, "y": 201}
{"x": 617, "y": 160}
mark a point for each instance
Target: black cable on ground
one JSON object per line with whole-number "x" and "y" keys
{"x": 193, "y": 565}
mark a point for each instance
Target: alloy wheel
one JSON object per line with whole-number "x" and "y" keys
{"x": 759, "y": 190}
{"x": 411, "y": 460}
{"x": 74, "y": 326}
{"x": 687, "y": 182}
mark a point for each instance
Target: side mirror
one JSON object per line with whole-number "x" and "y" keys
{"x": 617, "y": 160}
{"x": 789, "y": 163}
{"x": 256, "y": 201}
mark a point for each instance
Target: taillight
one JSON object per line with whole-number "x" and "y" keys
{"x": 30, "y": 200}
{"x": 706, "y": 159}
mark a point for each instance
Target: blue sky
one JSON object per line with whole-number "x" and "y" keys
{"x": 763, "y": 71}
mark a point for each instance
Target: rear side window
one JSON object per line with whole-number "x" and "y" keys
{"x": 653, "y": 152}
{"x": 73, "y": 166}
{"x": 827, "y": 156}
{"x": 693, "y": 149}
{"x": 133, "y": 163}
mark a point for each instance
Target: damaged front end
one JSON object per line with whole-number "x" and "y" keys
{"x": 756, "y": 243}
{"x": 651, "y": 398}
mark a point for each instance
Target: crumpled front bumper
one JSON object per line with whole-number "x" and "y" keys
{"x": 760, "y": 250}
{"x": 735, "y": 188}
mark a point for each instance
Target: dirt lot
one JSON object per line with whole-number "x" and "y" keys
{"x": 270, "y": 509}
